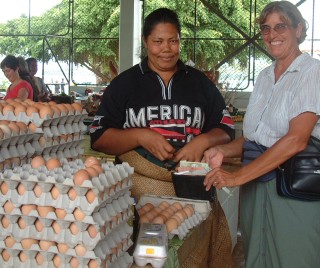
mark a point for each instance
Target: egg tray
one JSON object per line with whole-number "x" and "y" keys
{"x": 101, "y": 188}
{"x": 123, "y": 261}
{"x": 20, "y": 138}
{"x": 102, "y": 222}
{"x": 64, "y": 234}
{"x": 47, "y": 120}
{"x": 64, "y": 201}
{"x": 119, "y": 234}
{"x": 202, "y": 209}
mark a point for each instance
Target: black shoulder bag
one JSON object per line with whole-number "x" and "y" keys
{"x": 299, "y": 176}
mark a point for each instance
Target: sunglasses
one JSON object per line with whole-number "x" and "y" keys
{"x": 279, "y": 28}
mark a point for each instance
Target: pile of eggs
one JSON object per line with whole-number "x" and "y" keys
{"x": 51, "y": 217}
{"x": 172, "y": 215}
{"x": 57, "y": 129}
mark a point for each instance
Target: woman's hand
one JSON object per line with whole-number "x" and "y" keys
{"x": 213, "y": 157}
{"x": 219, "y": 178}
{"x": 156, "y": 144}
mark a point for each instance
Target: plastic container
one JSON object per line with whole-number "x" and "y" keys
{"x": 152, "y": 245}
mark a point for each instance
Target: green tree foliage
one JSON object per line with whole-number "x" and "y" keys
{"x": 211, "y": 31}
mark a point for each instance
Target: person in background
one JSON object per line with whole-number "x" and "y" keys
{"x": 283, "y": 111}
{"x": 25, "y": 74}
{"x": 57, "y": 87}
{"x": 161, "y": 111}
{"x": 43, "y": 90}
{"x": 20, "y": 86}
{"x": 62, "y": 86}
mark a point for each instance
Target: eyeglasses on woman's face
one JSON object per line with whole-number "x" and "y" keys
{"x": 280, "y": 28}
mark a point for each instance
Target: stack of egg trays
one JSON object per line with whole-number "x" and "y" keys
{"x": 62, "y": 134}
{"x": 17, "y": 145}
{"x": 101, "y": 212}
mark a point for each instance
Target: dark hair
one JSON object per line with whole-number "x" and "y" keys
{"x": 11, "y": 62}
{"x": 161, "y": 15}
{"x": 289, "y": 13}
{"x": 25, "y": 75}
{"x": 30, "y": 60}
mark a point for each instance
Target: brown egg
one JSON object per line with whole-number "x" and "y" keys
{"x": 22, "y": 223}
{"x": 56, "y": 227}
{"x": 73, "y": 228}
{"x": 77, "y": 107}
{"x": 46, "y": 111}
{"x": 6, "y": 130}
{"x": 27, "y": 243}
{"x": 80, "y": 176}
{"x": 180, "y": 215}
{"x": 158, "y": 220}
{"x": 39, "y": 258}
{"x": 32, "y": 128}
{"x": 69, "y": 107}
{"x": 9, "y": 241}
{"x": 5, "y": 255}
{"x": 56, "y": 111}
{"x": 15, "y": 130}
{"x": 38, "y": 161}
{"x": 37, "y": 190}
{"x": 91, "y": 160}
{"x": 62, "y": 247}
{"x": 57, "y": 261}
{"x": 23, "y": 256}
{"x": 8, "y": 108}
{"x": 63, "y": 109}
{"x": 98, "y": 168}
{"x": 91, "y": 196}
{"x": 21, "y": 189}
{"x": 144, "y": 219}
{"x": 189, "y": 209}
{"x": 72, "y": 194}
{"x": 8, "y": 207}
{"x": 4, "y": 188}
{"x": 92, "y": 231}
{"x": 80, "y": 250}
{"x": 78, "y": 214}
{"x": 61, "y": 213}
{"x": 31, "y": 110}
{"x": 93, "y": 264}
{"x": 26, "y": 209}
{"x": 45, "y": 245}
{"x": 177, "y": 205}
{"x": 74, "y": 262}
{"x": 55, "y": 192}
{"x": 92, "y": 172}
{"x": 171, "y": 224}
{"x": 23, "y": 127}
{"x": 53, "y": 163}
{"x": 5, "y": 222}
{"x": 19, "y": 109}
{"x": 44, "y": 210}
{"x": 38, "y": 225}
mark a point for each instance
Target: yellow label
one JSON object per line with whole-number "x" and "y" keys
{"x": 150, "y": 251}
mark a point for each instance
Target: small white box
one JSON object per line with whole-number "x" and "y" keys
{"x": 152, "y": 245}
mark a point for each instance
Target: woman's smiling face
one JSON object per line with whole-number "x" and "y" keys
{"x": 163, "y": 47}
{"x": 282, "y": 39}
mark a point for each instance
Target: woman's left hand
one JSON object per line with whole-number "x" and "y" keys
{"x": 219, "y": 178}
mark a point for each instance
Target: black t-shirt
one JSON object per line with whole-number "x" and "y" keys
{"x": 138, "y": 98}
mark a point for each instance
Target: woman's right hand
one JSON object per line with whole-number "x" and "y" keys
{"x": 156, "y": 144}
{"x": 213, "y": 157}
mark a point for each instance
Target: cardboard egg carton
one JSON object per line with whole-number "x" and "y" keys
{"x": 108, "y": 186}
{"x": 124, "y": 261}
{"x": 46, "y": 120}
{"x": 115, "y": 243}
{"x": 202, "y": 210}
{"x": 53, "y": 228}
